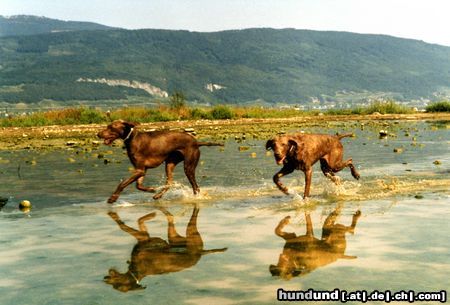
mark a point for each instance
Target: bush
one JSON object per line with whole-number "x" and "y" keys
{"x": 385, "y": 107}
{"x": 222, "y": 112}
{"x": 143, "y": 115}
{"x": 443, "y": 106}
{"x": 177, "y": 101}
{"x": 198, "y": 114}
{"x": 261, "y": 112}
{"x": 91, "y": 116}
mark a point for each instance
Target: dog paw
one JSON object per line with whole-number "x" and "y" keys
{"x": 113, "y": 198}
{"x": 285, "y": 220}
{"x": 285, "y": 190}
{"x": 157, "y": 196}
{"x": 355, "y": 174}
{"x": 113, "y": 215}
{"x": 151, "y": 215}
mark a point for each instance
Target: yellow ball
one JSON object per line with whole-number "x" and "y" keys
{"x": 25, "y": 204}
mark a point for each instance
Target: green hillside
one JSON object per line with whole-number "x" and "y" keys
{"x": 30, "y": 25}
{"x": 291, "y": 66}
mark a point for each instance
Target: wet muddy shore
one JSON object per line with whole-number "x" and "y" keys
{"x": 56, "y": 137}
{"x": 71, "y": 246}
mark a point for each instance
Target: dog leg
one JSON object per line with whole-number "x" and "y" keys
{"x": 190, "y": 164}
{"x": 308, "y": 178}
{"x": 170, "y": 166}
{"x": 328, "y": 172}
{"x": 137, "y": 174}
{"x": 175, "y": 239}
{"x": 141, "y": 235}
{"x": 286, "y": 170}
{"x": 355, "y": 174}
{"x": 194, "y": 242}
{"x": 309, "y": 226}
{"x": 143, "y": 219}
{"x": 340, "y": 165}
{"x": 140, "y": 186}
{"x": 355, "y": 218}
{"x": 279, "y": 229}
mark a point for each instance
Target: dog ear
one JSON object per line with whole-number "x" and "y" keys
{"x": 130, "y": 124}
{"x": 274, "y": 270}
{"x": 270, "y": 144}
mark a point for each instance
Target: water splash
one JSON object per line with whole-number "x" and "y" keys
{"x": 124, "y": 204}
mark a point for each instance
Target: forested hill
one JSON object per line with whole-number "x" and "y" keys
{"x": 288, "y": 65}
{"x": 30, "y": 25}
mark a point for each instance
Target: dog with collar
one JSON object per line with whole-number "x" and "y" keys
{"x": 150, "y": 149}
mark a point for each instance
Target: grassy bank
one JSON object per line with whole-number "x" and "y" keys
{"x": 82, "y": 115}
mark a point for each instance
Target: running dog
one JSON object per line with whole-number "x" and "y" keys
{"x": 301, "y": 151}
{"x": 150, "y": 149}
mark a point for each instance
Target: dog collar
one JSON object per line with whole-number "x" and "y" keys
{"x": 135, "y": 278}
{"x": 129, "y": 134}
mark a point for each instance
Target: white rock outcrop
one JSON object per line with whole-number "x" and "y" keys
{"x": 153, "y": 90}
{"x": 213, "y": 87}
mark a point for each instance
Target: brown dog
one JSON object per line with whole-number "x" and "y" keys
{"x": 303, "y": 254}
{"x": 301, "y": 151}
{"x": 154, "y": 255}
{"x": 150, "y": 149}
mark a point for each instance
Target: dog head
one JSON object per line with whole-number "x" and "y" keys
{"x": 122, "y": 281}
{"x": 288, "y": 267}
{"x": 283, "y": 147}
{"x": 118, "y": 129}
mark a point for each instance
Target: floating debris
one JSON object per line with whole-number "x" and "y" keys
{"x": 437, "y": 162}
{"x": 383, "y": 133}
{"x": 398, "y": 150}
{"x": 3, "y": 201}
{"x": 253, "y": 155}
{"x": 243, "y": 148}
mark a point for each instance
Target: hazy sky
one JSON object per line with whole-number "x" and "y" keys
{"x": 427, "y": 20}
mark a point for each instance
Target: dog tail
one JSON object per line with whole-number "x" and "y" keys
{"x": 209, "y": 144}
{"x": 345, "y": 135}
{"x": 203, "y": 252}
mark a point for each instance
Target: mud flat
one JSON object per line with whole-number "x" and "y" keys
{"x": 56, "y": 137}
{"x": 60, "y": 251}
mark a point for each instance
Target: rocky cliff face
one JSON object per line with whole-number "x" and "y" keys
{"x": 153, "y": 90}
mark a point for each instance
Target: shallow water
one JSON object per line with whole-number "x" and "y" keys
{"x": 60, "y": 251}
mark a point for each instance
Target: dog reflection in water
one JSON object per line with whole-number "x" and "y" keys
{"x": 153, "y": 255}
{"x": 303, "y": 254}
